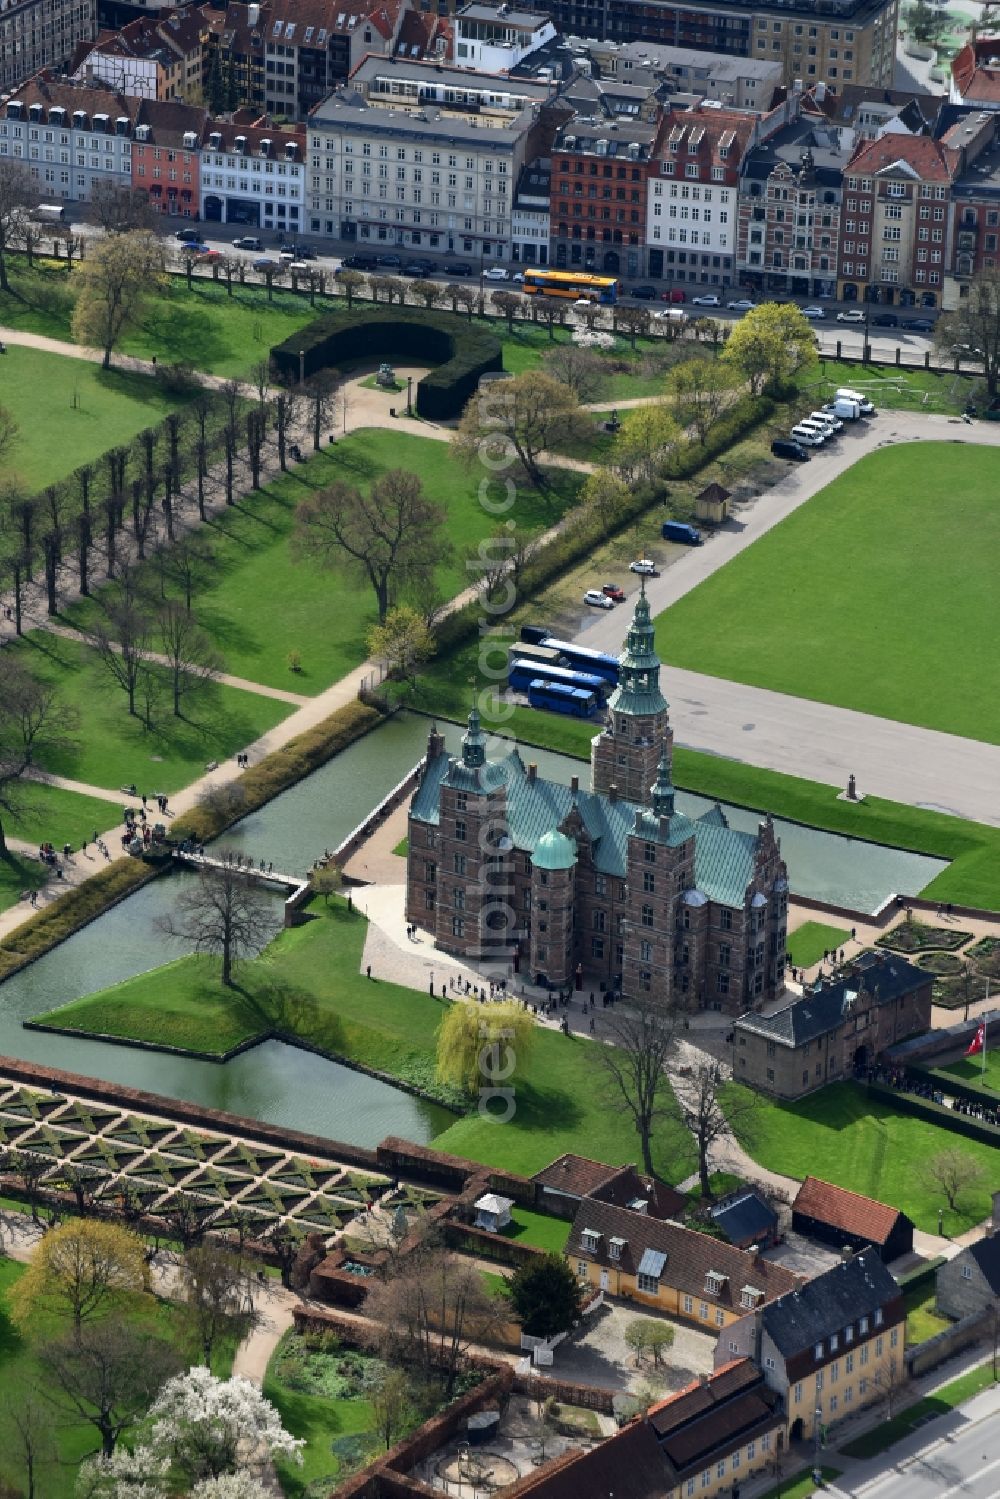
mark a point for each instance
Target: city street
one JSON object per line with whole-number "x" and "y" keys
{"x": 964, "y": 1462}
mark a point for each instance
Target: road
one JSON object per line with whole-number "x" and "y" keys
{"x": 962, "y": 1464}
{"x": 902, "y": 762}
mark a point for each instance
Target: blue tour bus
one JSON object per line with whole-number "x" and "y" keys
{"x": 557, "y": 697}
{"x": 582, "y": 658}
{"x": 521, "y": 674}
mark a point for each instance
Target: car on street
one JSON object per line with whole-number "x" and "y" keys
{"x": 613, "y": 592}
{"x": 390, "y": 262}
{"x": 457, "y": 268}
{"x": 644, "y": 567}
{"x": 206, "y": 254}
{"x": 853, "y": 315}
{"x": 675, "y": 294}
{"x": 708, "y": 300}
{"x": 417, "y": 268}
{"x": 885, "y": 320}
{"x": 195, "y": 247}
{"x": 644, "y": 293}
{"x": 266, "y": 264}
{"x": 813, "y": 312}
{"x": 919, "y": 325}
{"x": 358, "y": 263}
{"x": 743, "y": 304}
{"x": 598, "y": 600}
{"x": 247, "y": 242}
{"x": 304, "y": 252}
{"x": 496, "y": 273}
{"x": 189, "y": 236}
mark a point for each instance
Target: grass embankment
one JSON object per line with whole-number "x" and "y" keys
{"x": 258, "y": 603}
{"x": 939, "y": 1404}
{"x": 308, "y": 985}
{"x": 53, "y": 924}
{"x": 70, "y": 1440}
{"x": 802, "y": 1486}
{"x": 807, "y": 944}
{"x": 913, "y": 591}
{"x": 842, "y": 1136}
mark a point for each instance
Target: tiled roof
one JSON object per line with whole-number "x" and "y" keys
{"x": 576, "y": 1175}
{"x": 622, "y": 1190}
{"x": 45, "y": 89}
{"x": 833, "y": 1301}
{"x": 914, "y": 155}
{"x": 254, "y": 135}
{"x": 883, "y": 974}
{"x": 690, "y": 1256}
{"x": 745, "y": 1216}
{"x": 861, "y": 1216}
{"x": 169, "y": 120}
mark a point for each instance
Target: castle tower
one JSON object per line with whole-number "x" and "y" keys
{"x": 553, "y": 906}
{"x": 468, "y": 851}
{"x": 627, "y": 751}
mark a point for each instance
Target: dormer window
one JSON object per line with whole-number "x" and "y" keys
{"x": 848, "y": 1334}
{"x": 715, "y": 1283}
{"x": 878, "y": 1317}
{"x": 862, "y": 1325}
{"x": 818, "y": 1351}
{"x": 590, "y": 1239}
{"x": 834, "y": 1342}
{"x": 750, "y": 1297}
{"x": 615, "y": 1247}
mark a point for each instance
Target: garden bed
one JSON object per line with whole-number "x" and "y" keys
{"x": 917, "y": 936}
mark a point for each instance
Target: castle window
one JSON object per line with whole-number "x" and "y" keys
{"x": 458, "y": 898}
{"x": 645, "y": 952}
{"x": 600, "y": 885}
{"x": 645, "y": 980}
{"x": 430, "y": 872}
{"x": 461, "y": 801}
{"x": 647, "y": 916}
{"x": 599, "y": 919}
{"x": 726, "y": 919}
{"x": 649, "y": 852}
{"x": 460, "y": 829}
{"x": 597, "y": 947}
{"x": 430, "y": 901}
{"x": 543, "y": 877}
{"x": 457, "y": 926}
{"x": 459, "y": 863}
{"x": 648, "y": 881}
{"x": 527, "y": 900}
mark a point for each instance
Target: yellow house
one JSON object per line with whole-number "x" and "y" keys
{"x": 670, "y": 1268}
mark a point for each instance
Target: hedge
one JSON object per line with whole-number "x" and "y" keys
{"x": 937, "y": 1113}
{"x": 276, "y": 772}
{"x": 80, "y": 905}
{"x": 945, "y": 1083}
{"x": 462, "y": 351}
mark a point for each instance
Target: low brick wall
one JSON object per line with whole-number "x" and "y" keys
{"x": 541, "y": 1386}
{"x": 487, "y": 1246}
{"x": 952, "y": 1340}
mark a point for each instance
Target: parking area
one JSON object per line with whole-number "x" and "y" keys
{"x": 597, "y": 1353}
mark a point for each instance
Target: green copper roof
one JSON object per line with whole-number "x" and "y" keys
{"x": 638, "y": 691}
{"x": 554, "y": 851}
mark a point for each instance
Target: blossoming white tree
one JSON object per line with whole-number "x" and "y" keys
{"x": 207, "y": 1427}
{"x": 125, "y": 1475}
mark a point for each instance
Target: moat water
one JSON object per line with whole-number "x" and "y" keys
{"x": 280, "y": 1083}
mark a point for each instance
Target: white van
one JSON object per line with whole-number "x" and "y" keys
{"x": 809, "y": 437}
{"x": 867, "y": 409}
{"x": 847, "y": 411}
{"x": 811, "y": 424}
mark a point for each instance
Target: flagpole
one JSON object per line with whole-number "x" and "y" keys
{"x": 982, "y": 1072}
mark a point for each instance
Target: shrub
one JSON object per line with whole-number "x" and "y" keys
{"x": 73, "y": 910}
{"x": 461, "y": 350}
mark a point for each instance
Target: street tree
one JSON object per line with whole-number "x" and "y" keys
{"x": 581, "y": 370}
{"x": 546, "y": 1296}
{"x": 121, "y": 210}
{"x": 208, "y": 1427}
{"x": 391, "y": 1402}
{"x": 518, "y": 420}
{"x": 393, "y": 535}
{"x": 648, "y": 436}
{"x": 509, "y": 305}
{"x": 428, "y": 292}
{"x": 352, "y": 284}
{"x": 77, "y": 1269}
{"x": 114, "y": 284}
{"x": 192, "y": 662}
{"x": 479, "y": 1047}
{"x": 769, "y": 346}
{"x": 890, "y": 1380}
{"x": 223, "y": 914}
{"x": 402, "y": 643}
{"x": 217, "y": 1290}
{"x": 975, "y": 324}
{"x": 954, "y": 1172}
{"x": 34, "y": 724}
{"x": 701, "y": 390}
{"x": 702, "y": 1112}
{"x": 18, "y": 196}
{"x": 105, "y": 1375}
{"x": 632, "y": 321}
{"x": 634, "y": 1064}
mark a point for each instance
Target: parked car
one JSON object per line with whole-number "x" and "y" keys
{"x": 708, "y": 300}
{"x": 846, "y": 394}
{"x": 644, "y": 293}
{"x": 304, "y": 252}
{"x": 457, "y": 268}
{"x": 644, "y": 567}
{"x": 853, "y": 315}
{"x": 195, "y": 247}
{"x": 518, "y": 276}
{"x": 613, "y": 592}
{"x": 671, "y": 315}
{"x": 844, "y": 411}
{"x": 205, "y": 254}
{"x": 813, "y": 312}
{"x": 675, "y": 294}
{"x": 597, "y": 599}
{"x": 885, "y": 320}
{"x": 247, "y": 242}
{"x": 266, "y": 264}
{"x": 189, "y": 236}
{"x": 827, "y": 418}
{"x": 417, "y": 268}
{"x": 809, "y": 437}
{"x": 919, "y": 325}
{"x": 358, "y": 263}
{"x": 743, "y": 304}
{"x": 389, "y": 262}
{"x": 496, "y": 273}
{"x": 820, "y": 427}
{"x": 787, "y": 447}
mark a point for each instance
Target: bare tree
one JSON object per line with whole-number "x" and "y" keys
{"x": 582, "y": 370}
{"x": 353, "y": 283}
{"x": 973, "y": 331}
{"x": 123, "y": 635}
{"x": 509, "y": 305}
{"x": 121, "y": 210}
{"x": 642, "y": 1038}
{"x": 34, "y": 725}
{"x": 106, "y": 1375}
{"x": 225, "y": 914}
{"x": 286, "y": 410}
{"x": 29, "y": 1426}
{"x": 890, "y": 1380}
{"x": 320, "y": 393}
{"x": 393, "y": 534}
{"x": 704, "y": 1115}
{"x": 428, "y": 292}
{"x": 218, "y": 1293}
{"x": 191, "y": 660}
{"x": 633, "y": 321}
{"x": 27, "y": 1169}
{"x": 187, "y": 562}
{"x": 231, "y": 393}
{"x": 954, "y": 1172}
{"x": 391, "y": 1401}
{"x": 528, "y": 414}
{"x": 18, "y": 195}
{"x": 114, "y": 282}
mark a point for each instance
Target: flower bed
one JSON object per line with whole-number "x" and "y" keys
{"x": 916, "y": 936}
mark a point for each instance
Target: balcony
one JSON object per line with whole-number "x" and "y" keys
{"x": 966, "y": 239}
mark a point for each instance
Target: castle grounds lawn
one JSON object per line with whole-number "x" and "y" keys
{"x": 974, "y": 1070}
{"x": 842, "y": 1136}
{"x": 807, "y": 944}
{"x": 877, "y": 594}
{"x": 309, "y": 985}
{"x": 922, "y": 1321}
{"x": 48, "y": 813}
{"x": 114, "y": 749}
{"x": 258, "y": 604}
{"x": 68, "y": 411}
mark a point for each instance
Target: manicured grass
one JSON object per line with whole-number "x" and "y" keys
{"x": 48, "y": 813}
{"x": 891, "y": 389}
{"x": 807, "y": 944}
{"x": 922, "y": 1321}
{"x": 842, "y": 1136}
{"x": 802, "y": 1486}
{"x": 86, "y": 411}
{"x": 20, "y": 1376}
{"x": 402, "y": 848}
{"x": 18, "y": 874}
{"x": 913, "y": 587}
{"x": 114, "y": 749}
{"x": 309, "y": 984}
{"x": 982, "y": 1070}
{"x": 258, "y": 603}
{"x": 538, "y": 1229}
{"x": 944, "y": 1400}
{"x": 321, "y": 1420}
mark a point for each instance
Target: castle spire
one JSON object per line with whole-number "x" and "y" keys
{"x": 474, "y": 742}
{"x": 638, "y": 692}
{"x": 662, "y": 789}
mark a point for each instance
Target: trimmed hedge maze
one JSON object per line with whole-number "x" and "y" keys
{"x": 462, "y": 351}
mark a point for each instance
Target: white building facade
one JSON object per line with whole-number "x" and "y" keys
{"x": 253, "y": 176}
{"x": 68, "y": 149}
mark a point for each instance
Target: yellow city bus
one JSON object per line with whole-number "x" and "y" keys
{"x": 575, "y": 284}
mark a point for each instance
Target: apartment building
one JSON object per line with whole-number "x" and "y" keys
{"x": 411, "y": 85}
{"x": 496, "y": 38}
{"x": 166, "y": 155}
{"x": 975, "y": 213}
{"x": 70, "y": 138}
{"x": 530, "y": 220}
{"x": 233, "y": 53}
{"x": 975, "y": 74}
{"x": 254, "y": 176}
{"x": 828, "y": 1348}
{"x": 600, "y": 175}
{"x": 737, "y": 82}
{"x": 38, "y": 34}
{"x": 151, "y": 58}
{"x": 431, "y": 179}
{"x": 789, "y": 210}
{"x": 692, "y": 207}
{"x": 311, "y": 46}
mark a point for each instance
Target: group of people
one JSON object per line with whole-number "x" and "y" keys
{"x": 900, "y": 1079}
{"x": 243, "y": 760}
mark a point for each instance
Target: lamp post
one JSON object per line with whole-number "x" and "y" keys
{"x": 817, "y": 1443}
{"x": 302, "y": 366}
{"x": 409, "y": 395}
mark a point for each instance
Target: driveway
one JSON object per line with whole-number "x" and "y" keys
{"x": 598, "y": 1355}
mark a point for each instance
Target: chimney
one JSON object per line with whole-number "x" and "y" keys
{"x": 574, "y": 783}
{"x": 703, "y": 1380}
{"x": 532, "y": 772}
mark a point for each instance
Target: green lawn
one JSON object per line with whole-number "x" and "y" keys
{"x": 982, "y": 1070}
{"x": 922, "y": 1321}
{"x": 326, "y": 1422}
{"x": 540, "y": 1230}
{"x": 944, "y": 1400}
{"x": 807, "y": 944}
{"x": 309, "y": 984}
{"x": 802, "y": 1486}
{"x": 20, "y": 1376}
{"x": 891, "y": 389}
{"x": 114, "y": 749}
{"x": 258, "y": 604}
{"x": 86, "y": 411}
{"x": 842, "y": 1136}
{"x": 888, "y": 631}
{"x": 402, "y": 848}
